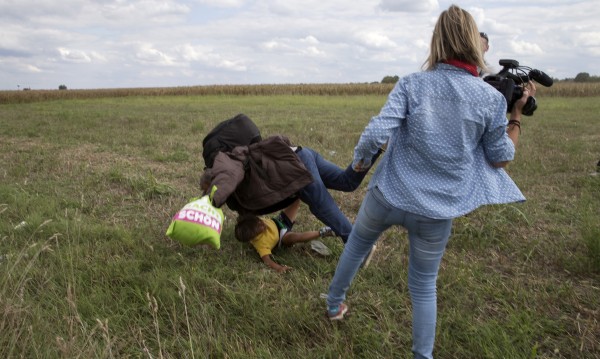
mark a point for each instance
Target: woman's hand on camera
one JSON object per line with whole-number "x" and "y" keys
{"x": 528, "y": 90}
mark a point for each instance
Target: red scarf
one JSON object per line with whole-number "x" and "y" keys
{"x": 463, "y": 65}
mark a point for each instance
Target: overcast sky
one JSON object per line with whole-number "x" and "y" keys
{"x": 87, "y": 44}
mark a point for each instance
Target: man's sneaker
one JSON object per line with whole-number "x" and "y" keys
{"x": 367, "y": 260}
{"x": 319, "y": 247}
{"x": 337, "y": 313}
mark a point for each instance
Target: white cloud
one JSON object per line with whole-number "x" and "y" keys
{"x": 421, "y": 44}
{"x": 525, "y": 48}
{"x": 310, "y": 40}
{"x": 375, "y": 40}
{"x": 589, "y": 42}
{"x": 222, "y": 3}
{"x": 147, "y": 54}
{"x": 282, "y": 8}
{"x": 271, "y": 45}
{"x": 235, "y": 65}
{"x": 308, "y": 46}
{"x": 588, "y": 38}
{"x": 143, "y": 10}
{"x": 27, "y": 68}
{"x": 129, "y": 43}
{"x": 75, "y": 56}
{"x": 313, "y": 51}
{"x": 409, "y": 5}
{"x": 31, "y": 68}
{"x": 191, "y": 53}
{"x": 280, "y": 71}
{"x": 207, "y": 57}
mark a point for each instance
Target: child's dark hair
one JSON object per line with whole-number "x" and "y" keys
{"x": 247, "y": 227}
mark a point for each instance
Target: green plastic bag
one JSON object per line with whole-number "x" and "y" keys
{"x": 198, "y": 222}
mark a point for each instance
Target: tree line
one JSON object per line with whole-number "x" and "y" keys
{"x": 585, "y": 77}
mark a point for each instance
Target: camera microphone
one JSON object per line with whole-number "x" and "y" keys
{"x": 534, "y": 74}
{"x": 541, "y": 77}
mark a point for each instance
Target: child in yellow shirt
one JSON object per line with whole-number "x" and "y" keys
{"x": 267, "y": 233}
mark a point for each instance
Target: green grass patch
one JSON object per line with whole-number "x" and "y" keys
{"x": 88, "y": 187}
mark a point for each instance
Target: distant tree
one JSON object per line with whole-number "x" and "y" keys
{"x": 390, "y": 80}
{"x": 582, "y": 77}
{"x": 62, "y": 87}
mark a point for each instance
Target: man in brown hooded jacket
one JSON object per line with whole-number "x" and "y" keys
{"x": 269, "y": 175}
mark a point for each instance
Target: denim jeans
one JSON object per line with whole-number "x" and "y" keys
{"x": 427, "y": 242}
{"x": 327, "y": 175}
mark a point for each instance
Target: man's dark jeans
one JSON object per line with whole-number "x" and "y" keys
{"x": 327, "y": 175}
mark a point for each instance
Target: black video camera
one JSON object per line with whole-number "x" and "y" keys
{"x": 510, "y": 81}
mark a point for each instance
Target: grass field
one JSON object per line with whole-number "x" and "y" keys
{"x": 88, "y": 187}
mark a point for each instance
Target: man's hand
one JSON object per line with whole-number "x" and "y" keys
{"x": 360, "y": 167}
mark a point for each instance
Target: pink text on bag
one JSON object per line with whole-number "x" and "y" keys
{"x": 201, "y": 218}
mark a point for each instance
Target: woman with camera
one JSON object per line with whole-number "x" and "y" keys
{"x": 448, "y": 141}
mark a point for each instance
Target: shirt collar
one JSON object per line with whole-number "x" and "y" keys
{"x": 472, "y": 69}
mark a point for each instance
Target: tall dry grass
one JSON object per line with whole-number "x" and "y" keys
{"x": 226, "y": 90}
{"x": 560, "y": 89}
{"x": 570, "y": 89}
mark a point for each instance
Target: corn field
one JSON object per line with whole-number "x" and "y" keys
{"x": 560, "y": 89}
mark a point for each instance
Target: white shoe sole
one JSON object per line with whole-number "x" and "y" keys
{"x": 320, "y": 247}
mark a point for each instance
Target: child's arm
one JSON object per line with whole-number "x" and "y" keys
{"x": 274, "y": 265}
{"x": 291, "y": 238}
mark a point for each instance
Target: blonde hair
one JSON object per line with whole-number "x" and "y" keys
{"x": 455, "y": 37}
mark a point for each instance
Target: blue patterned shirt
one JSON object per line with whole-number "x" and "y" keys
{"x": 444, "y": 128}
